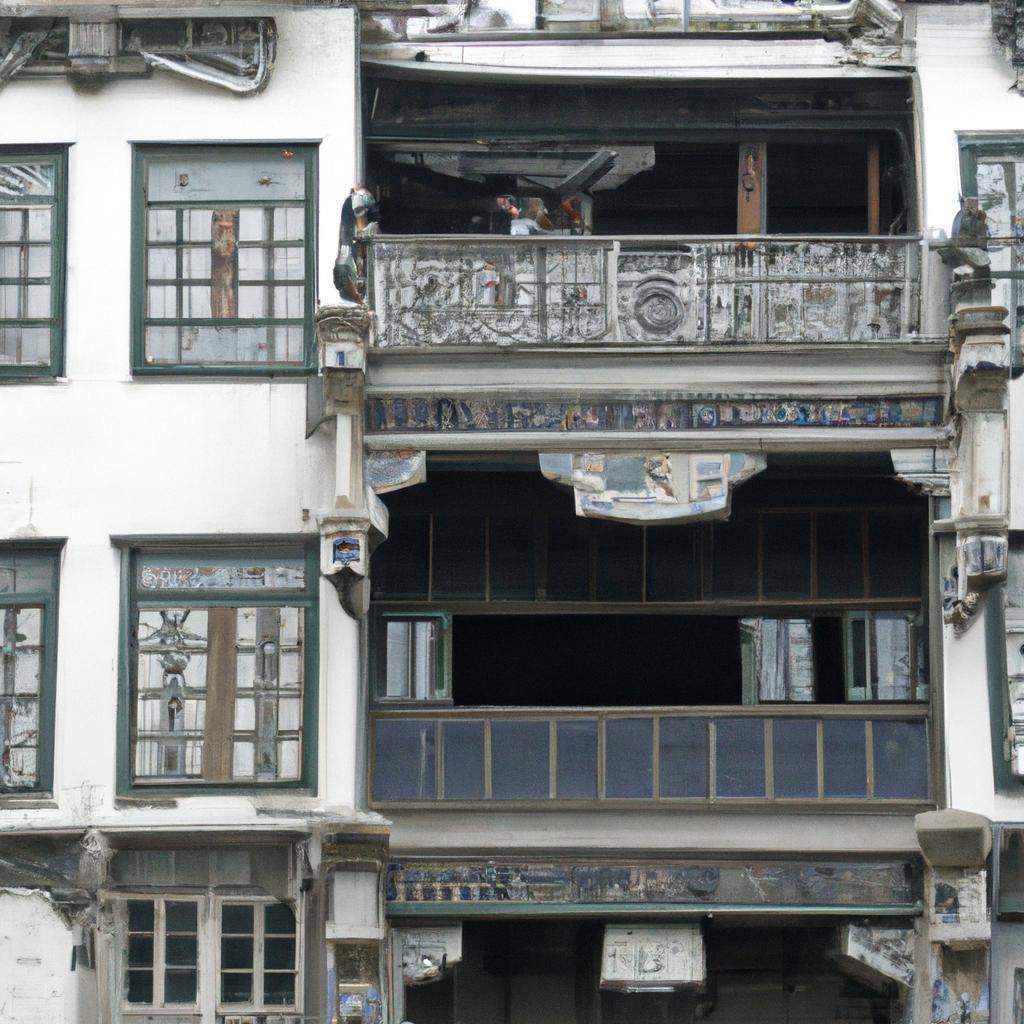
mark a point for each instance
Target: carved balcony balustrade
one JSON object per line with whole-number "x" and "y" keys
{"x": 557, "y": 291}
{"x": 820, "y": 755}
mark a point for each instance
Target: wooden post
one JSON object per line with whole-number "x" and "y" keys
{"x": 750, "y": 194}
{"x": 221, "y": 669}
{"x": 224, "y": 264}
{"x": 874, "y": 189}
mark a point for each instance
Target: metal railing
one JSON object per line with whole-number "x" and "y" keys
{"x": 550, "y": 290}
{"x": 817, "y": 754}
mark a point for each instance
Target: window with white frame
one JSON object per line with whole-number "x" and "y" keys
{"x": 189, "y": 953}
{"x": 258, "y": 955}
{"x": 163, "y": 953}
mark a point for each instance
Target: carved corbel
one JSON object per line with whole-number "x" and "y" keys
{"x": 346, "y": 544}
{"x": 981, "y": 562}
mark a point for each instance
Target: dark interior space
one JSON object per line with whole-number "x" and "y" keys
{"x": 549, "y": 973}
{"x": 598, "y": 660}
{"x": 592, "y": 660}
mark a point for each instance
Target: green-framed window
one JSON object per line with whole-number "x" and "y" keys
{"x": 221, "y": 668}
{"x": 992, "y": 171}
{"x": 33, "y": 203}
{"x": 412, "y": 658}
{"x": 28, "y": 643}
{"x": 224, "y": 259}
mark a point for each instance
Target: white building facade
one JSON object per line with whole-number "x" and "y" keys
{"x": 607, "y": 610}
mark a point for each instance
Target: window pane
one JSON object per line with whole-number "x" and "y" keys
{"x": 279, "y": 953}
{"x": 140, "y": 987}
{"x": 185, "y": 572}
{"x": 577, "y": 760}
{"x": 278, "y": 919}
{"x": 739, "y": 757}
{"x": 236, "y": 919}
{"x": 683, "y": 744}
{"x": 180, "y": 986}
{"x": 520, "y": 760}
{"x": 140, "y": 915}
{"x": 279, "y": 989}
{"x": 411, "y": 660}
{"x": 404, "y": 760}
{"x": 778, "y": 659}
{"x": 629, "y": 758}
{"x": 25, "y": 180}
{"x": 181, "y": 917}
{"x": 236, "y": 951}
{"x": 845, "y": 759}
{"x": 463, "y": 760}
{"x": 21, "y": 662}
{"x": 795, "y": 757}
{"x": 180, "y": 950}
{"x": 901, "y": 760}
{"x": 235, "y": 987}
{"x": 140, "y": 950}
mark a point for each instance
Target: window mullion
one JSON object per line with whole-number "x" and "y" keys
{"x": 159, "y": 951}
{"x": 257, "y": 954}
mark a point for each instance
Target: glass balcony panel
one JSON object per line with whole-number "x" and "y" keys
{"x": 739, "y": 757}
{"x": 683, "y": 746}
{"x": 795, "y": 758}
{"x": 463, "y": 760}
{"x": 901, "y": 760}
{"x": 629, "y": 758}
{"x": 520, "y": 760}
{"x": 845, "y": 759}
{"x": 405, "y": 760}
{"x": 577, "y": 759}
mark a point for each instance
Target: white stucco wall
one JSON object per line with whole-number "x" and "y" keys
{"x": 98, "y": 454}
{"x": 37, "y": 985}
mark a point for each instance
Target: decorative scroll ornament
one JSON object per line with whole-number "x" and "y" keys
{"x": 646, "y": 487}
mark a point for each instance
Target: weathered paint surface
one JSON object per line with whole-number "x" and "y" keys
{"x": 561, "y": 291}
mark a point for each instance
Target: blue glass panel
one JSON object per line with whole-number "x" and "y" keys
{"x": 739, "y": 757}
{"x": 520, "y": 760}
{"x": 683, "y": 746}
{"x": 901, "y": 760}
{"x": 464, "y": 760}
{"x": 846, "y": 770}
{"x": 404, "y": 760}
{"x": 629, "y": 758}
{"x": 795, "y": 757}
{"x": 577, "y": 759}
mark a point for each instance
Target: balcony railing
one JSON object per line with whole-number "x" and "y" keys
{"x": 554, "y": 290}
{"x": 782, "y": 754}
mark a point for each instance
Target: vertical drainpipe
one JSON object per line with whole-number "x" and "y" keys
{"x": 686, "y": 15}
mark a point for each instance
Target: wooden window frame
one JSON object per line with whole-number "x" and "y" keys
{"x": 159, "y": 1005}
{"x": 208, "y": 917}
{"x": 257, "y": 1005}
{"x": 307, "y": 154}
{"x": 47, "y": 602}
{"x": 305, "y": 598}
{"x": 58, "y": 156}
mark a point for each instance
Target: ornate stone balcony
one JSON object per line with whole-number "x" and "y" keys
{"x": 553, "y": 291}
